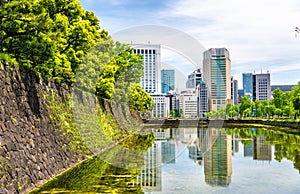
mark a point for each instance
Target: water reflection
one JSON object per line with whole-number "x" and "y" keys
{"x": 210, "y": 148}
{"x": 226, "y": 160}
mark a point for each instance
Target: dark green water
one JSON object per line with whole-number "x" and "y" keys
{"x": 191, "y": 160}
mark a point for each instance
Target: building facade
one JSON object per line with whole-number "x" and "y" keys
{"x": 248, "y": 84}
{"x": 188, "y": 103}
{"x": 152, "y": 65}
{"x": 202, "y": 99}
{"x": 262, "y": 87}
{"x": 172, "y": 104}
{"x": 194, "y": 79}
{"x": 159, "y": 108}
{"x": 167, "y": 80}
{"x": 234, "y": 91}
{"x": 217, "y": 75}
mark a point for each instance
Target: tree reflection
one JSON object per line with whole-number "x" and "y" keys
{"x": 287, "y": 146}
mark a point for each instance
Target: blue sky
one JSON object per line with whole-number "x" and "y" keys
{"x": 259, "y": 34}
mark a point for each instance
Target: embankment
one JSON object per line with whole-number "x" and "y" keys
{"x": 219, "y": 123}
{"x": 33, "y": 149}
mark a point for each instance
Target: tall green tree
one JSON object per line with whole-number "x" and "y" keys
{"x": 296, "y": 98}
{"x": 51, "y": 37}
{"x": 245, "y": 106}
{"x": 278, "y": 98}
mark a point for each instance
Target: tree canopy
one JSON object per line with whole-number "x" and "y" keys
{"x": 51, "y": 37}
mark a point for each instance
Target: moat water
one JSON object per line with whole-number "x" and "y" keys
{"x": 193, "y": 160}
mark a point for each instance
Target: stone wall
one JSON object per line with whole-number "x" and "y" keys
{"x": 32, "y": 150}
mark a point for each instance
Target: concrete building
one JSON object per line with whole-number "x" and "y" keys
{"x": 194, "y": 79}
{"x": 262, "y": 87}
{"x": 217, "y": 75}
{"x": 234, "y": 91}
{"x": 172, "y": 104}
{"x": 159, "y": 108}
{"x": 188, "y": 103}
{"x": 152, "y": 64}
{"x": 167, "y": 80}
{"x": 202, "y": 99}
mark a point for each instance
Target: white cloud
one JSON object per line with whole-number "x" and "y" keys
{"x": 259, "y": 34}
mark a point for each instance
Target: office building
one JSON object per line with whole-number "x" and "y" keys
{"x": 172, "y": 104}
{"x": 234, "y": 91}
{"x": 188, "y": 103}
{"x": 152, "y": 63}
{"x": 194, "y": 79}
{"x": 248, "y": 84}
{"x": 262, "y": 87}
{"x": 217, "y": 75}
{"x": 241, "y": 94}
{"x": 159, "y": 107}
{"x": 202, "y": 99}
{"x": 167, "y": 80}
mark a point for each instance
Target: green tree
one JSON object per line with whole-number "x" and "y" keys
{"x": 51, "y": 37}
{"x": 245, "y": 106}
{"x": 140, "y": 100}
{"x": 278, "y": 98}
{"x": 296, "y": 98}
{"x": 258, "y": 108}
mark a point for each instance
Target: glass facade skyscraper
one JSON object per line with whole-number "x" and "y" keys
{"x": 167, "y": 80}
{"x": 217, "y": 75}
{"x": 248, "y": 84}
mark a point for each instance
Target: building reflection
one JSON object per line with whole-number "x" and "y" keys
{"x": 262, "y": 151}
{"x": 218, "y": 159}
{"x": 212, "y": 148}
{"x": 258, "y": 149}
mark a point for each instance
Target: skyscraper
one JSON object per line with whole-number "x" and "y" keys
{"x": 248, "y": 84}
{"x": 167, "y": 80}
{"x": 217, "y": 75}
{"x": 151, "y": 55}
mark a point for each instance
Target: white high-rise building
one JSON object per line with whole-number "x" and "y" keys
{"x": 152, "y": 64}
{"x": 188, "y": 103}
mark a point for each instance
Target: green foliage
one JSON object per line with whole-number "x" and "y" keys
{"x": 138, "y": 142}
{"x": 50, "y": 37}
{"x": 119, "y": 74}
{"x": 62, "y": 116}
{"x": 140, "y": 100}
{"x": 93, "y": 176}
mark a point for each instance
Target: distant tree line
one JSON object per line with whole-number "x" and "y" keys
{"x": 283, "y": 104}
